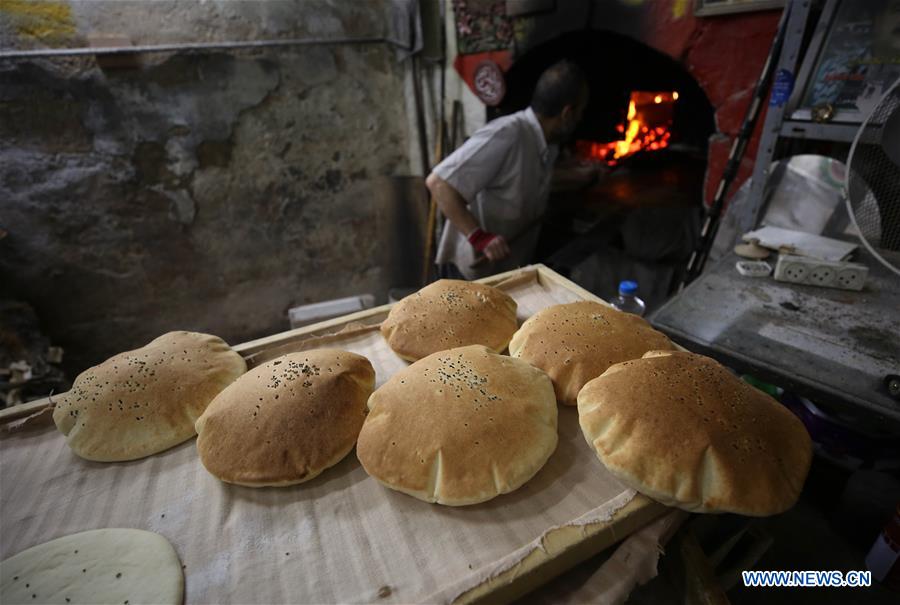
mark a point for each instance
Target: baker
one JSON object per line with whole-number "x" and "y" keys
{"x": 494, "y": 188}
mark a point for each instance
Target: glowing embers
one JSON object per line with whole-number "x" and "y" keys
{"x": 648, "y": 128}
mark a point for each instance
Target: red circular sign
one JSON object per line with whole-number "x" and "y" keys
{"x": 490, "y": 86}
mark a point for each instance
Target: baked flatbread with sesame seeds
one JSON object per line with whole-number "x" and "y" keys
{"x": 450, "y": 313}
{"x": 460, "y": 427}
{"x": 128, "y": 566}
{"x": 145, "y": 401}
{"x": 576, "y": 342}
{"x": 685, "y": 431}
{"x": 287, "y": 420}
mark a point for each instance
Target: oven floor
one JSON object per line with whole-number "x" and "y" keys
{"x": 638, "y": 222}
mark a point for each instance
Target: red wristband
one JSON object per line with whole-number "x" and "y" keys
{"x": 480, "y": 239}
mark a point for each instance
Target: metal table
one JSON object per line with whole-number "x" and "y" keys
{"x": 831, "y": 346}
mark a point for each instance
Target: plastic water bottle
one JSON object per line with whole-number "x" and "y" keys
{"x": 627, "y": 299}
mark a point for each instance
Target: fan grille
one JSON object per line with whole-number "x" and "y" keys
{"x": 873, "y": 178}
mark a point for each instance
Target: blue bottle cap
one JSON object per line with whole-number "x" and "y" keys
{"x": 628, "y": 287}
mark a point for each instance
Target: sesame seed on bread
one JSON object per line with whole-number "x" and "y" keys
{"x": 286, "y": 421}
{"x": 685, "y": 431}
{"x": 460, "y": 427}
{"x": 450, "y": 313}
{"x": 576, "y": 342}
{"x": 145, "y": 401}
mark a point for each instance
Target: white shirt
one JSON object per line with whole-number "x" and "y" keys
{"x": 503, "y": 171}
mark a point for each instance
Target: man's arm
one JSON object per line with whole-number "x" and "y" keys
{"x": 453, "y": 205}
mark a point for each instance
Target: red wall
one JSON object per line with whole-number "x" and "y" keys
{"x": 725, "y": 55}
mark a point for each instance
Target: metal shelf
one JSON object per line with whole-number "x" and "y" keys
{"x": 795, "y": 129}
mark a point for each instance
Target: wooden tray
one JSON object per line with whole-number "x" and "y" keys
{"x": 557, "y": 548}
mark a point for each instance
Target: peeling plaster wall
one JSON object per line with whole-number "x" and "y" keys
{"x": 71, "y": 23}
{"x": 208, "y": 191}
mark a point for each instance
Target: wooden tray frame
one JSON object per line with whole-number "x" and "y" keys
{"x": 563, "y": 547}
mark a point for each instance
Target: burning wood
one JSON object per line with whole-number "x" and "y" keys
{"x": 648, "y": 125}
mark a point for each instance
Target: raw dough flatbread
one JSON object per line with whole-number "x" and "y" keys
{"x": 121, "y": 566}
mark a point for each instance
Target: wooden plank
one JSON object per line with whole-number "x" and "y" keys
{"x": 247, "y": 349}
{"x": 545, "y": 276}
{"x": 563, "y": 548}
{"x": 22, "y": 410}
{"x": 367, "y": 316}
{"x": 701, "y": 586}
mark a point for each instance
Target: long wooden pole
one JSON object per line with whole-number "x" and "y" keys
{"x": 432, "y": 215}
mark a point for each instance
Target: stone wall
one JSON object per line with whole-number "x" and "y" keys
{"x": 207, "y": 191}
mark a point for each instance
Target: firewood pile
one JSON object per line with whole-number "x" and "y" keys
{"x": 29, "y": 364}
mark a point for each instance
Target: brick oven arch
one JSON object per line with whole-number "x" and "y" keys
{"x": 615, "y": 65}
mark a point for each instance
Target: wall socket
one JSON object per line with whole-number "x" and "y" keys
{"x": 824, "y": 273}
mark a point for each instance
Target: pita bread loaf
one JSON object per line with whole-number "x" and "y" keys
{"x": 286, "y": 421}
{"x": 145, "y": 401}
{"x": 450, "y": 313}
{"x": 460, "y": 427}
{"x": 99, "y": 566}
{"x": 576, "y": 342}
{"x": 683, "y": 430}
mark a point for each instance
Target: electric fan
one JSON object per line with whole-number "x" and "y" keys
{"x": 872, "y": 187}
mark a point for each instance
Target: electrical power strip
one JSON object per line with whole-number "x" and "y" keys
{"x": 815, "y": 272}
